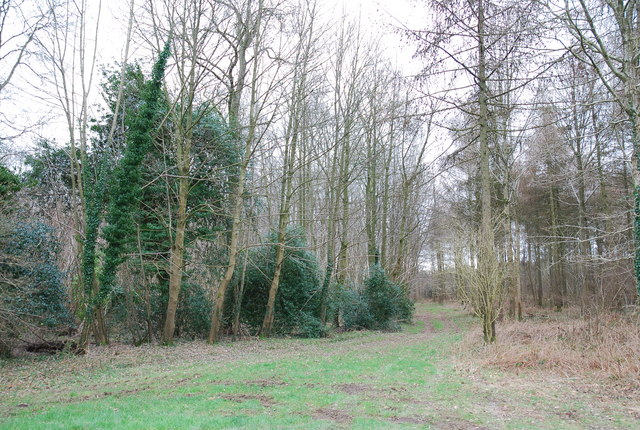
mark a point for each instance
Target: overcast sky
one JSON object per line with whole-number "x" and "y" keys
{"x": 379, "y": 17}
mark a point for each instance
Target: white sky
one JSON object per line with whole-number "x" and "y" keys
{"x": 26, "y": 105}
{"x": 379, "y": 16}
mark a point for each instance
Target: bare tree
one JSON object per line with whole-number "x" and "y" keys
{"x": 607, "y": 37}
{"x": 249, "y": 36}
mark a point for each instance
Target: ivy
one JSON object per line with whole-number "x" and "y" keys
{"x": 9, "y": 183}
{"x": 125, "y": 192}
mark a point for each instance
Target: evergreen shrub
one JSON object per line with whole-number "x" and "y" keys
{"x": 352, "y": 306}
{"x": 298, "y": 296}
{"x": 32, "y": 293}
{"x": 388, "y": 302}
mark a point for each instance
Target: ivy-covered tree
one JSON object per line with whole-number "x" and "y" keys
{"x": 388, "y": 302}
{"x": 153, "y": 217}
{"x": 125, "y": 194}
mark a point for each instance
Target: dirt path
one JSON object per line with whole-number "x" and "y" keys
{"x": 355, "y": 380}
{"x": 36, "y": 371}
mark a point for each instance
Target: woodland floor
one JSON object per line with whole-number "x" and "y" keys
{"x": 414, "y": 379}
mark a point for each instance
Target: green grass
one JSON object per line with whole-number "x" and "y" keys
{"x": 437, "y": 325}
{"x": 358, "y": 380}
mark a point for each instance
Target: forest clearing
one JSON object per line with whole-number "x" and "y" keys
{"x": 320, "y": 214}
{"x": 419, "y": 378}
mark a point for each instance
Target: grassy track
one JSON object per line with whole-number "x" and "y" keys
{"x": 354, "y": 380}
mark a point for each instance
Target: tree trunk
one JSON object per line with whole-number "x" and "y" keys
{"x": 176, "y": 261}
{"x": 238, "y": 294}
{"x": 539, "y": 276}
{"x": 246, "y": 35}
{"x": 487, "y": 257}
{"x": 440, "y": 282}
{"x": 283, "y": 221}
{"x": 331, "y": 239}
{"x": 218, "y": 304}
{"x": 385, "y": 202}
{"x": 269, "y": 315}
{"x": 344, "y": 218}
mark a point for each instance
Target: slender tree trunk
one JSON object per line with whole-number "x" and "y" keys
{"x": 556, "y": 271}
{"x": 585, "y": 248}
{"x": 371, "y": 203}
{"x": 238, "y": 295}
{"x": 529, "y": 266}
{"x": 283, "y": 221}
{"x": 331, "y": 239}
{"x": 603, "y": 195}
{"x": 371, "y": 187}
{"x": 269, "y": 316}
{"x": 440, "y": 282}
{"x": 516, "y": 272}
{"x": 539, "y": 275}
{"x": 245, "y": 36}
{"x": 385, "y": 202}
{"x": 218, "y": 303}
{"x": 296, "y": 117}
{"x": 176, "y": 260}
{"x": 190, "y": 45}
{"x": 487, "y": 258}
{"x": 344, "y": 177}
{"x": 398, "y": 268}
